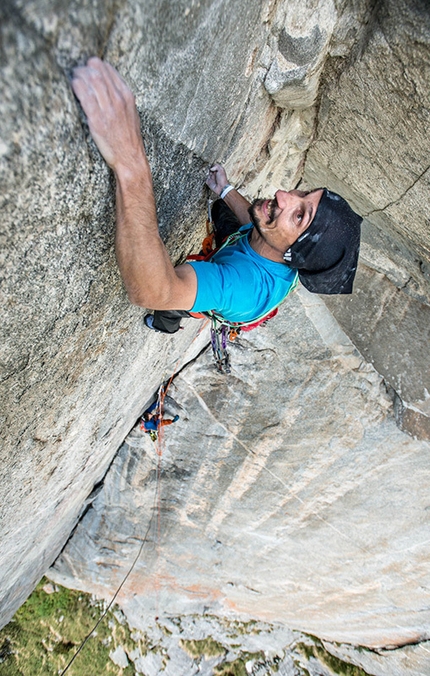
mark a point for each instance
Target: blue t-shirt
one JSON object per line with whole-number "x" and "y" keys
{"x": 240, "y": 284}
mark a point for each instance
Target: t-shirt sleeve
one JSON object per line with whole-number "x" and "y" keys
{"x": 222, "y": 288}
{"x": 210, "y": 286}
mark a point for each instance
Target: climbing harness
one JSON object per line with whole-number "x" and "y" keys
{"x": 224, "y": 332}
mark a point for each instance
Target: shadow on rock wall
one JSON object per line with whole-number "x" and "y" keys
{"x": 215, "y": 80}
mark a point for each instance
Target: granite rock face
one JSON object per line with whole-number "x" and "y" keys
{"x": 403, "y": 324}
{"x": 369, "y": 146}
{"x": 279, "y": 91}
{"x": 370, "y": 123}
{"x": 77, "y": 365}
{"x": 285, "y": 493}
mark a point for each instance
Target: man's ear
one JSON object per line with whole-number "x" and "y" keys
{"x": 270, "y": 226}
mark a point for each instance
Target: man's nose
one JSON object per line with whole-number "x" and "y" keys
{"x": 282, "y": 198}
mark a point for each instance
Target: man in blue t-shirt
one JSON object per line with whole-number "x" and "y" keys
{"x": 238, "y": 283}
{"x": 315, "y": 233}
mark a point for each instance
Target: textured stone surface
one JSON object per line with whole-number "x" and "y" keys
{"x": 304, "y": 30}
{"x": 288, "y": 495}
{"x": 234, "y": 81}
{"x": 370, "y": 144}
{"x": 119, "y": 657}
{"x": 370, "y": 147}
{"x": 392, "y": 330}
{"x": 209, "y": 645}
{"x": 77, "y": 366}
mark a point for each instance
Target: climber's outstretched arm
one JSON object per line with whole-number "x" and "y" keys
{"x": 148, "y": 274}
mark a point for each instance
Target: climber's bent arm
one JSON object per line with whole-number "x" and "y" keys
{"x": 148, "y": 274}
{"x": 217, "y": 180}
{"x": 239, "y": 206}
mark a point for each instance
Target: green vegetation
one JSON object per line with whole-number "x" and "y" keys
{"x": 47, "y": 630}
{"x": 206, "y": 646}
{"x": 337, "y": 665}
{"x": 238, "y": 668}
{"x": 238, "y": 628}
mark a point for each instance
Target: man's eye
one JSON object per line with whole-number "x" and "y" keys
{"x": 300, "y": 217}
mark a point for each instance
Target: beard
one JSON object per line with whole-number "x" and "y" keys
{"x": 256, "y": 221}
{"x": 254, "y": 218}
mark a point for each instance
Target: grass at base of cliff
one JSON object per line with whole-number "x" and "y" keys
{"x": 238, "y": 666}
{"x": 206, "y": 647}
{"x": 48, "y": 629}
{"x": 335, "y": 664}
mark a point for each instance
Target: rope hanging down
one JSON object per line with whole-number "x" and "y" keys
{"x": 159, "y": 446}
{"x": 155, "y": 510}
{"x": 114, "y": 597}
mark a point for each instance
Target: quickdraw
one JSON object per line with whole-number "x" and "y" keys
{"x": 219, "y": 337}
{"x": 223, "y": 332}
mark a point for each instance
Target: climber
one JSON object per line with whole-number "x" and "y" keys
{"x": 152, "y": 420}
{"x": 311, "y": 235}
